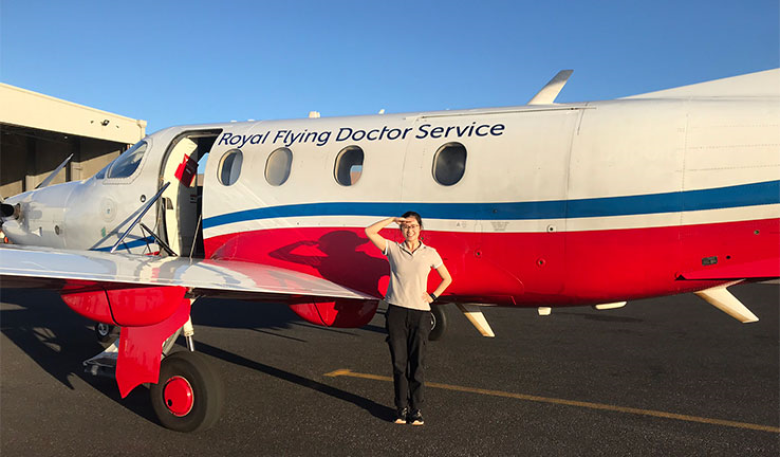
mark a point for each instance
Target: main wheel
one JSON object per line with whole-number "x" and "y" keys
{"x": 438, "y": 322}
{"x": 190, "y": 394}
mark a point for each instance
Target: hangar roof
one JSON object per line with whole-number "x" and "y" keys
{"x": 30, "y": 109}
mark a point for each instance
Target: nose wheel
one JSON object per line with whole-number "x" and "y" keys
{"x": 104, "y": 332}
{"x": 189, "y": 395}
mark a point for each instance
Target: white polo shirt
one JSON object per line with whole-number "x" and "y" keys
{"x": 409, "y": 274}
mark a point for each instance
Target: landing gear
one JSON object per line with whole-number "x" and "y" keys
{"x": 104, "y": 332}
{"x": 438, "y": 322}
{"x": 190, "y": 394}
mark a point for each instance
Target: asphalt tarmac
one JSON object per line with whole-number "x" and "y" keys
{"x": 669, "y": 376}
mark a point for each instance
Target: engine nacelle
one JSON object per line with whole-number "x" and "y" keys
{"x": 342, "y": 313}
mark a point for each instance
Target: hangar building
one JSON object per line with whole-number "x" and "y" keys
{"x": 38, "y": 132}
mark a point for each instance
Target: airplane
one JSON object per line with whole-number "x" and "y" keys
{"x": 542, "y": 205}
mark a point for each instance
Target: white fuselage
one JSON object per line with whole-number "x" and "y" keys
{"x": 549, "y": 183}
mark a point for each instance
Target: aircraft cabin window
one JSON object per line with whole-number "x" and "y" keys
{"x": 449, "y": 164}
{"x": 349, "y": 165}
{"x": 278, "y": 166}
{"x": 230, "y": 168}
{"x": 127, "y": 163}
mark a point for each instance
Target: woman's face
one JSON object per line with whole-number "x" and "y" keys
{"x": 411, "y": 230}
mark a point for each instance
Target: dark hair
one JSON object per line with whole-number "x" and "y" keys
{"x": 414, "y": 215}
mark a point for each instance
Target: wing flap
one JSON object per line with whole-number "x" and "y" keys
{"x": 26, "y": 267}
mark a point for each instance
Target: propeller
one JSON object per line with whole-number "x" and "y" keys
{"x": 53, "y": 174}
{"x": 12, "y": 212}
{"x": 8, "y": 212}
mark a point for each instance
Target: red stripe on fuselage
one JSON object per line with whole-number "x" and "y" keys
{"x": 526, "y": 269}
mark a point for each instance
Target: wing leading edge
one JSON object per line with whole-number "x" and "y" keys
{"x": 41, "y": 267}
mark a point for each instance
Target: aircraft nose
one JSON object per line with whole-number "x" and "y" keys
{"x": 9, "y": 212}
{"x": 36, "y": 217}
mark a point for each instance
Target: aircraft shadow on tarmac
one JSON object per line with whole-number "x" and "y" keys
{"x": 377, "y": 410}
{"x": 266, "y": 318}
{"x": 52, "y": 336}
{"x": 55, "y": 338}
{"x": 587, "y": 315}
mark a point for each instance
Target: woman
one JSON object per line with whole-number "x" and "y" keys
{"x": 408, "y": 320}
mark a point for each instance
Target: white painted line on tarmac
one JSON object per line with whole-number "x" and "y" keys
{"x": 559, "y": 401}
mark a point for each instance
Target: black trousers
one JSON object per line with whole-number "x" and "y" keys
{"x": 407, "y": 335}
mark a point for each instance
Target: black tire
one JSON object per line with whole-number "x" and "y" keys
{"x": 104, "y": 332}
{"x": 438, "y": 322}
{"x": 183, "y": 372}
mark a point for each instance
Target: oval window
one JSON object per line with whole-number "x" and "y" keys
{"x": 278, "y": 166}
{"x": 126, "y": 164}
{"x": 349, "y": 165}
{"x": 449, "y": 164}
{"x": 230, "y": 168}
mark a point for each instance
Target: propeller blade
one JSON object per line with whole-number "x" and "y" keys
{"x": 54, "y": 173}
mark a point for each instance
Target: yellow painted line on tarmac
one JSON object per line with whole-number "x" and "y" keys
{"x": 560, "y": 401}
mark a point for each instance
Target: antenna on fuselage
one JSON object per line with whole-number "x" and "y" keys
{"x": 550, "y": 92}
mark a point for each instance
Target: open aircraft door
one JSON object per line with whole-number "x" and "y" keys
{"x": 181, "y": 203}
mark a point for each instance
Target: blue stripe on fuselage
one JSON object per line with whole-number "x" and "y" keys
{"x": 763, "y": 193}
{"x": 129, "y": 244}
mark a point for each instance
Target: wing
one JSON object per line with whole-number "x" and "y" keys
{"x": 43, "y": 267}
{"x": 149, "y": 297}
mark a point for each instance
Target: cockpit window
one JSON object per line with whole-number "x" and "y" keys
{"x": 126, "y": 164}
{"x": 102, "y": 173}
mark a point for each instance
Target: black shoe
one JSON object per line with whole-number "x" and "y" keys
{"x": 416, "y": 418}
{"x": 400, "y": 415}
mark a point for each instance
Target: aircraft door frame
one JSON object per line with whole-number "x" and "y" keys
{"x": 180, "y": 208}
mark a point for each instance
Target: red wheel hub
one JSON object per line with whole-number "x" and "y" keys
{"x": 178, "y": 396}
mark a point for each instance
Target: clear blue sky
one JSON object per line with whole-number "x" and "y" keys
{"x": 195, "y": 61}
